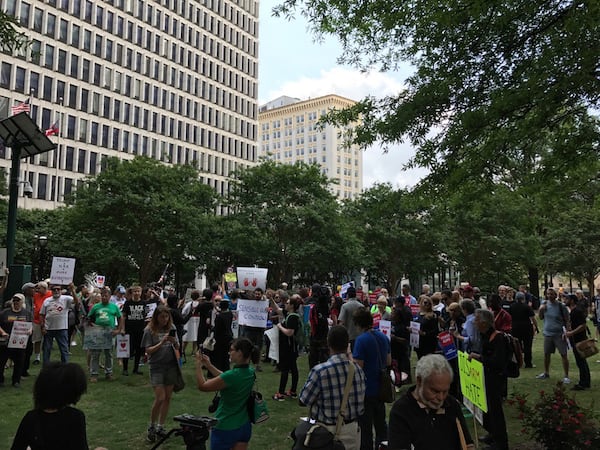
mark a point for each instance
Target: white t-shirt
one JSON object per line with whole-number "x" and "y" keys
{"x": 56, "y": 311}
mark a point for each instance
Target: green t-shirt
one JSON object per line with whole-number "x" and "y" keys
{"x": 232, "y": 412}
{"x": 105, "y": 315}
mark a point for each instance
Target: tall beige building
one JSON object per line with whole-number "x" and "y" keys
{"x": 289, "y": 133}
{"x": 174, "y": 80}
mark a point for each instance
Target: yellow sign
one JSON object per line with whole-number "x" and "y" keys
{"x": 472, "y": 381}
{"x": 231, "y": 277}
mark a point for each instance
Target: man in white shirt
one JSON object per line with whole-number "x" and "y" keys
{"x": 54, "y": 321}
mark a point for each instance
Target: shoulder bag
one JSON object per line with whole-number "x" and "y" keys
{"x": 257, "y": 407}
{"x": 313, "y": 436}
{"x": 387, "y": 391}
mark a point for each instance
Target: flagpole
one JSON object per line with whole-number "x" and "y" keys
{"x": 26, "y": 174}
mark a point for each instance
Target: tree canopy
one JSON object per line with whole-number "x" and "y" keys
{"x": 490, "y": 81}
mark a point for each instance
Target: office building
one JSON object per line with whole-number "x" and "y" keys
{"x": 174, "y": 80}
{"x": 289, "y": 133}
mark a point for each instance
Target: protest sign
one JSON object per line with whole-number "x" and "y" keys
{"x": 448, "y": 347}
{"x": 122, "y": 346}
{"x": 253, "y": 313}
{"x": 385, "y": 326}
{"x": 415, "y": 328}
{"x": 250, "y": 278}
{"x": 62, "y": 270}
{"x": 20, "y": 334}
{"x": 472, "y": 381}
{"x": 100, "y": 280}
{"x": 273, "y": 335}
{"x": 345, "y": 287}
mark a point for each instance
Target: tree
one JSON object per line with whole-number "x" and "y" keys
{"x": 10, "y": 38}
{"x": 137, "y": 215}
{"x": 490, "y": 79}
{"x": 291, "y": 222}
{"x": 398, "y": 239}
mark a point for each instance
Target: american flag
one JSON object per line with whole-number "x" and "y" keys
{"x": 21, "y": 107}
{"x": 53, "y": 130}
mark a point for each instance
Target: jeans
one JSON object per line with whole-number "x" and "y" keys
{"x": 17, "y": 355}
{"x": 95, "y": 361}
{"x": 373, "y": 417}
{"x": 584, "y": 370}
{"x": 62, "y": 339}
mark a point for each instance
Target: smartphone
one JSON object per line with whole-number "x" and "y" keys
{"x": 172, "y": 333}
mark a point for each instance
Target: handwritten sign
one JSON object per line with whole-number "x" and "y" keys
{"x": 253, "y": 313}
{"x": 20, "y": 334}
{"x": 250, "y": 278}
{"x": 472, "y": 381}
{"x": 62, "y": 270}
{"x": 100, "y": 280}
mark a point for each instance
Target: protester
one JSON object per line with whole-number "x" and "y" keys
{"x": 54, "y": 321}
{"x": 223, "y": 335}
{"x": 429, "y": 330}
{"x": 578, "y": 315}
{"x": 8, "y": 317}
{"x": 53, "y": 423}
{"x": 347, "y": 312}
{"x": 372, "y": 353}
{"x": 556, "y": 322}
{"x": 134, "y": 313}
{"x": 234, "y": 429}
{"x": 319, "y": 325}
{"x": 39, "y": 296}
{"x": 106, "y": 322}
{"x": 28, "y": 290}
{"x": 524, "y": 325}
{"x": 400, "y": 336}
{"x": 288, "y": 348}
{"x": 160, "y": 342}
{"x": 324, "y": 387}
{"x": 426, "y": 417}
{"x": 493, "y": 356}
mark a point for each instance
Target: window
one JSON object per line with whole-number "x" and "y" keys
{"x": 84, "y": 99}
{"x": 75, "y": 33}
{"x": 87, "y": 40}
{"x": 41, "y": 187}
{"x": 74, "y": 65}
{"x": 5, "y": 75}
{"x": 49, "y": 56}
{"x": 71, "y": 126}
{"x": 24, "y": 18}
{"x": 83, "y": 125}
{"x": 47, "y": 95}
{"x": 50, "y": 25}
{"x": 38, "y": 20}
{"x": 63, "y": 31}
{"x": 81, "y": 161}
{"x": 34, "y": 83}
{"x": 73, "y": 96}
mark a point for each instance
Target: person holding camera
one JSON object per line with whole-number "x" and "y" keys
{"x": 234, "y": 428}
{"x": 160, "y": 341}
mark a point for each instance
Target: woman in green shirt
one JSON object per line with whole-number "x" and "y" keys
{"x": 234, "y": 429}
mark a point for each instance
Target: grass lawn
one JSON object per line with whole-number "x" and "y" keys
{"x": 117, "y": 411}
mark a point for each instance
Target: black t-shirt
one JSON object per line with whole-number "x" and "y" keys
{"x": 61, "y": 430}
{"x": 578, "y": 316}
{"x": 287, "y": 344}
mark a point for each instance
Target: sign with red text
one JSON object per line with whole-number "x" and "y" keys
{"x": 250, "y": 278}
{"x": 20, "y": 334}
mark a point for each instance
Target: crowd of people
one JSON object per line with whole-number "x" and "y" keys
{"x": 335, "y": 330}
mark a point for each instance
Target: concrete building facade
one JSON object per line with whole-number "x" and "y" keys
{"x": 289, "y": 133}
{"x": 174, "y": 80}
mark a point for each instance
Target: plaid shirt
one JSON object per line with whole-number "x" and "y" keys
{"x": 324, "y": 390}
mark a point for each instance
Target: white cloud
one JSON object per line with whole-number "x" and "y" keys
{"x": 378, "y": 167}
{"x": 346, "y": 82}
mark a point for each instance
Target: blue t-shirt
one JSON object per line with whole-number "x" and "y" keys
{"x": 372, "y": 347}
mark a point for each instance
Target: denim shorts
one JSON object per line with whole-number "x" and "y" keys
{"x": 163, "y": 376}
{"x": 226, "y": 439}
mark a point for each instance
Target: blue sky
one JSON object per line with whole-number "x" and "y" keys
{"x": 292, "y": 63}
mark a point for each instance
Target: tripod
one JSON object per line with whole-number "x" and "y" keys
{"x": 195, "y": 431}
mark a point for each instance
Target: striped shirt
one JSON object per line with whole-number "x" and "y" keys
{"x": 324, "y": 390}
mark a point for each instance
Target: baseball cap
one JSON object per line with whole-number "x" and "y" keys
{"x": 19, "y": 296}
{"x": 28, "y": 286}
{"x": 121, "y": 289}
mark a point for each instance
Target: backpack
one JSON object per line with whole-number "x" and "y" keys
{"x": 319, "y": 327}
{"x": 299, "y": 335}
{"x": 514, "y": 355}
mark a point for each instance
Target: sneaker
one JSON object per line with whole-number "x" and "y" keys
{"x": 279, "y": 397}
{"x": 291, "y": 394}
{"x": 36, "y": 362}
{"x": 566, "y": 380}
{"x": 543, "y": 376}
{"x": 17, "y": 385}
{"x": 151, "y": 436}
{"x": 73, "y": 344}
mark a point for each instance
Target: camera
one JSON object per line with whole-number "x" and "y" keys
{"x": 195, "y": 431}
{"x": 27, "y": 190}
{"x": 172, "y": 333}
{"x": 214, "y": 404}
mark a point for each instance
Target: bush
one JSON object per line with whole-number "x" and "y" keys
{"x": 557, "y": 421}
